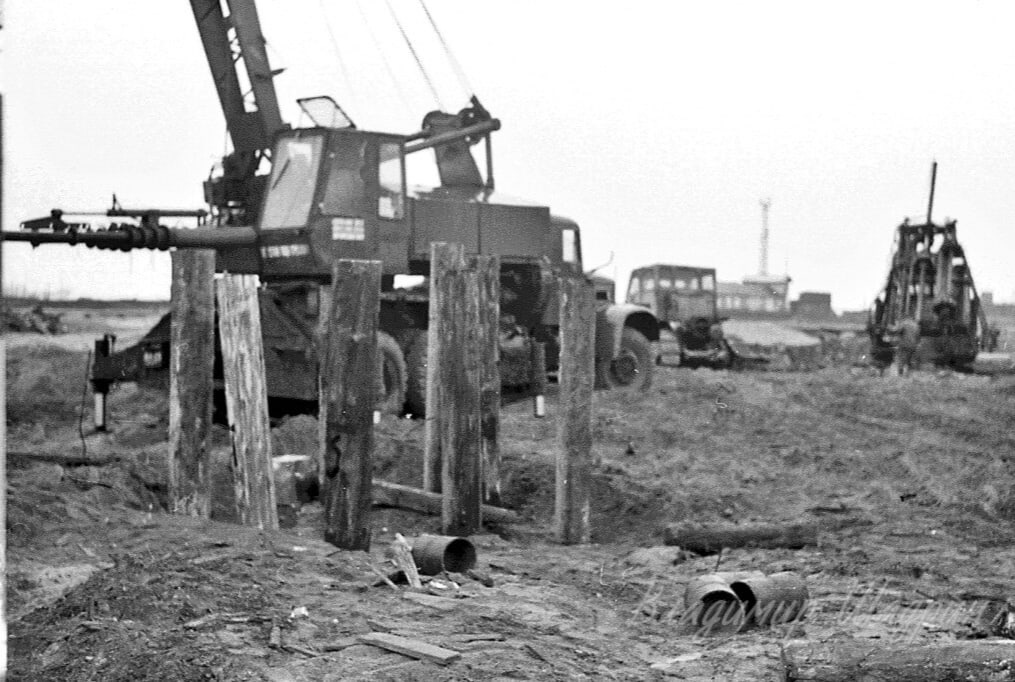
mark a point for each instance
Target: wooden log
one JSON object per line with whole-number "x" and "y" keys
{"x": 488, "y": 272}
{"x": 64, "y": 459}
{"x": 247, "y": 400}
{"x": 411, "y": 647}
{"x": 577, "y": 371}
{"x": 853, "y": 661}
{"x": 446, "y": 260}
{"x": 348, "y": 386}
{"x": 191, "y": 387}
{"x": 711, "y": 539}
{"x": 405, "y": 497}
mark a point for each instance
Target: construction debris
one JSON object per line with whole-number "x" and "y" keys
{"x": 35, "y": 320}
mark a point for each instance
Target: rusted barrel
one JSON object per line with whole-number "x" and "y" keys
{"x": 436, "y": 553}
{"x": 712, "y": 605}
{"x": 772, "y": 600}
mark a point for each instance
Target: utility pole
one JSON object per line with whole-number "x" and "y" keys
{"x": 765, "y": 204}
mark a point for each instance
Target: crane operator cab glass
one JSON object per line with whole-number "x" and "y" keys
{"x": 332, "y": 193}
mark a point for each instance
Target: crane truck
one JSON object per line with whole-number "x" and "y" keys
{"x": 290, "y": 201}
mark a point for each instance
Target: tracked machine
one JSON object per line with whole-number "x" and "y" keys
{"x": 290, "y": 201}
{"x": 930, "y": 283}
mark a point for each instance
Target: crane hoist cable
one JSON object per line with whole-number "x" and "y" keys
{"x": 455, "y": 65}
{"x": 415, "y": 56}
{"x": 384, "y": 59}
{"x": 342, "y": 68}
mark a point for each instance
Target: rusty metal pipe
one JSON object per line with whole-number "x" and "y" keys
{"x": 772, "y": 600}
{"x": 453, "y": 136}
{"x": 435, "y": 554}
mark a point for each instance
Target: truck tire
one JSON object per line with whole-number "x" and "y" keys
{"x": 391, "y": 375}
{"x": 632, "y": 369}
{"x": 415, "y": 360}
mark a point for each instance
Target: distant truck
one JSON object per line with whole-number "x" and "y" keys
{"x": 683, "y": 299}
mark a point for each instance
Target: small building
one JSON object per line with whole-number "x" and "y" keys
{"x": 815, "y": 305}
{"x": 757, "y": 295}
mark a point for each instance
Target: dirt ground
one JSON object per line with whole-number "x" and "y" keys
{"x": 912, "y": 477}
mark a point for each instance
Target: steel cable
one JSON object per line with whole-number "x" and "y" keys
{"x": 415, "y": 56}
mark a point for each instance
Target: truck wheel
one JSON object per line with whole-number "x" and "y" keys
{"x": 391, "y": 375}
{"x": 632, "y": 368}
{"x": 415, "y": 359}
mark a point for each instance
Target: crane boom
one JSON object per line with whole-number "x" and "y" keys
{"x": 251, "y": 131}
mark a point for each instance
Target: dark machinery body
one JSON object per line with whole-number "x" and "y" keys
{"x": 332, "y": 192}
{"x": 929, "y": 282}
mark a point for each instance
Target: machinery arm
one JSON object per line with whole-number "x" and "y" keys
{"x": 149, "y": 234}
{"x": 250, "y": 131}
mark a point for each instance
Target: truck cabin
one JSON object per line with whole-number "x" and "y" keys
{"x": 674, "y": 293}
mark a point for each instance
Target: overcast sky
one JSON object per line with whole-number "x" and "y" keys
{"x": 657, "y": 126}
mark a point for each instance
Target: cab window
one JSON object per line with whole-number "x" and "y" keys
{"x": 292, "y": 182}
{"x": 569, "y": 243}
{"x": 346, "y": 188}
{"x": 391, "y": 178}
{"x": 632, "y": 289}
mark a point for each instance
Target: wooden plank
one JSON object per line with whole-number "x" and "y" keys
{"x": 577, "y": 371}
{"x": 247, "y": 400}
{"x": 191, "y": 387}
{"x": 411, "y": 647}
{"x": 348, "y": 386}
{"x": 405, "y": 497}
{"x": 853, "y": 661}
{"x": 488, "y": 272}
{"x": 710, "y": 539}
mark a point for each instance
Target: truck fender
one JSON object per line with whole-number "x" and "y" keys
{"x": 610, "y": 323}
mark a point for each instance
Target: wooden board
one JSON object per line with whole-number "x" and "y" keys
{"x": 411, "y": 647}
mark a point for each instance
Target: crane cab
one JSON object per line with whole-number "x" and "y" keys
{"x": 332, "y": 193}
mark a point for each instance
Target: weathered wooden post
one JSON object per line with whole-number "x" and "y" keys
{"x": 577, "y": 369}
{"x": 453, "y": 381}
{"x": 192, "y": 343}
{"x": 488, "y": 273}
{"x": 247, "y": 400}
{"x": 348, "y": 384}
{"x": 446, "y": 260}
{"x": 461, "y": 451}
